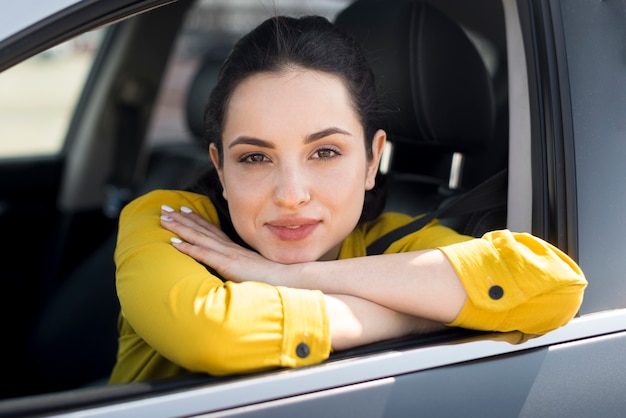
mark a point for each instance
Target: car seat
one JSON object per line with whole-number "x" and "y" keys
{"x": 447, "y": 132}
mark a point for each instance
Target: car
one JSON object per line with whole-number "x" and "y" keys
{"x": 515, "y": 108}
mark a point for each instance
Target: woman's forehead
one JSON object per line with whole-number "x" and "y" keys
{"x": 294, "y": 79}
{"x": 290, "y": 100}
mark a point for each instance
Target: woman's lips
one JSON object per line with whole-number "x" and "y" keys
{"x": 292, "y": 229}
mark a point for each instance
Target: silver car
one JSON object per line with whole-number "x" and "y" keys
{"x": 101, "y": 101}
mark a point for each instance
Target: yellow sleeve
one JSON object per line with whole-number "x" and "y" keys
{"x": 199, "y": 322}
{"x": 515, "y": 281}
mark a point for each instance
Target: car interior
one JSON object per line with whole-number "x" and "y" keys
{"x": 442, "y": 72}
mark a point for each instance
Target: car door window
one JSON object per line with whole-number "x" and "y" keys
{"x": 39, "y": 96}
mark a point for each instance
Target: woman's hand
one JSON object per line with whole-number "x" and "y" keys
{"x": 209, "y": 245}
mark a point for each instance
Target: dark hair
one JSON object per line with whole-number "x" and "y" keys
{"x": 280, "y": 43}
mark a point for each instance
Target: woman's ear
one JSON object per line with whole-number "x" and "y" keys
{"x": 215, "y": 158}
{"x": 378, "y": 144}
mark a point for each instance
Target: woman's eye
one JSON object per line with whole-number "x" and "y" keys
{"x": 325, "y": 153}
{"x": 253, "y": 158}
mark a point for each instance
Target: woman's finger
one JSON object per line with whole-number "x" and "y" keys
{"x": 194, "y": 230}
{"x": 191, "y": 219}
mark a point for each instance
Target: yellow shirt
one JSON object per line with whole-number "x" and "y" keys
{"x": 177, "y": 317}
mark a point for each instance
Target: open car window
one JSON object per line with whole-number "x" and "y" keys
{"x": 453, "y": 370}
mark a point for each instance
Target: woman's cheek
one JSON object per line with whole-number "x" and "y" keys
{"x": 245, "y": 180}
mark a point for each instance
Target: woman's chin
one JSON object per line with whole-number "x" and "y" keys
{"x": 292, "y": 257}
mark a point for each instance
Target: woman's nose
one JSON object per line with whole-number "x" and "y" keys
{"x": 291, "y": 188}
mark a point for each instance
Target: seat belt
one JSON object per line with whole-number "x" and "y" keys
{"x": 487, "y": 195}
{"x": 130, "y": 123}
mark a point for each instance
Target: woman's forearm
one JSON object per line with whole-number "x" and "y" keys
{"x": 421, "y": 284}
{"x": 355, "y": 321}
{"x": 506, "y": 281}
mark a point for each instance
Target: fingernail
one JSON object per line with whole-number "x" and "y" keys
{"x": 166, "y": 218}
{"x": 167, "y": 208}
{"x": 175, "y": 240}
{"x": 185, "y": 209}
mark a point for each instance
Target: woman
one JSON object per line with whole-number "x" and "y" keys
{"x": 269, "y": 270}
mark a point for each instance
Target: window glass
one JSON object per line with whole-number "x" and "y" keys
{"x": 211, "y": 28}
{"x": 38, "y": 97}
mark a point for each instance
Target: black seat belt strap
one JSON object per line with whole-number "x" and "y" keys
{"x": 130, "y": 123}
{"x": 489, "y": 194}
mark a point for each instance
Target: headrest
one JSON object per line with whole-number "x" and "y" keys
{"x": 430, "y": 75}
{"x": 199, "y": 89}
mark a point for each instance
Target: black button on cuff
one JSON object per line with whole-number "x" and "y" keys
{"x": 303, "y": 350}
{"x": 496, "y": 292}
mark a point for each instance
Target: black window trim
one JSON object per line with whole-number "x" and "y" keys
{"x": 552, "y": 138}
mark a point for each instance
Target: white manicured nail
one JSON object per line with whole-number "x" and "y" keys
{"x": 185, "y": 209}
{"x": 175, "y": 240}
{"x": 167, "y": 208}
{"x": 166, "y": 218}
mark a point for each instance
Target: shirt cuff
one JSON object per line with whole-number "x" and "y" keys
{"x": 306, "y": 333}
{"x": 515, "y": 281}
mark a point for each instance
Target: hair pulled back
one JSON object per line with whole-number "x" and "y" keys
{"x": 281, "y": 43}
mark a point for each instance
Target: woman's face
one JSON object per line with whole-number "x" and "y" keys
{"x": 295, "y": 167}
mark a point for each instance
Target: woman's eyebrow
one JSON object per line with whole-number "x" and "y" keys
{"x": 324, "y": 133}
{"x": 248, "y": 140}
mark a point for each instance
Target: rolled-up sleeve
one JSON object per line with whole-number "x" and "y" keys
{"x": 515, "y": 281}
